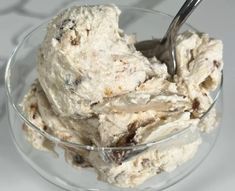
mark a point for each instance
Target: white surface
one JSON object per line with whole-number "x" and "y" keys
{"x": 216, "y": 17}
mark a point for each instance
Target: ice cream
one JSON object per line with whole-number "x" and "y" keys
{"x": 94, "y": 88}
{"x": 85, "y": 58}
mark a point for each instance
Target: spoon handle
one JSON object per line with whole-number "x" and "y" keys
{"x": 182, "y": 16}
{"x": 174, "y": 27}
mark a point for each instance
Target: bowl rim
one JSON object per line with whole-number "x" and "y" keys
{"x": 89, "y": 147}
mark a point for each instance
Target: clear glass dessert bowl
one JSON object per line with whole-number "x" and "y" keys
{"x": 64, "y": 167}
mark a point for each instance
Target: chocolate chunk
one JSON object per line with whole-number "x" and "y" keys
{"x": 75, "y": 41}
{"x": 191, "y": 52}
{"x": 57, "y": 38}
{"x": 195, "y": 104}
{"x": 94, "y": 103}
{"x": 87, "y": 31}
{"x": 67, "y": 23}
{"x": 34, "y": 116}
{"x": 71, "y": 28}
{"x": 118, "y": 156}
{"x": 33, "y": 106}
{"x": 45, "y": 127}
{"x": 78, "y": 159}
{"x": 159, "y": 170}
{"x": 163, "y": 118}
{"x": 216, "y": 63}
{"x": 132, "y": 131}
{"x": 34, "y": 89}
{"x": 77, "y": 81}
{"x": 128, "y": 139}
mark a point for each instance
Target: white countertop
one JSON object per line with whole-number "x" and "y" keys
{"x": 216, "y": 17}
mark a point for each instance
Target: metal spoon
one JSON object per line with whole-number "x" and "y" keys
{"x": 166, "y": 45}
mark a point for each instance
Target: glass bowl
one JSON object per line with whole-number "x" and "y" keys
{"x": 20, "y": 74}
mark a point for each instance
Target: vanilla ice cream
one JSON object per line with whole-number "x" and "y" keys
{"x": 94, "y": 88}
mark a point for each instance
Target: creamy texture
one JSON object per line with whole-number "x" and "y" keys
{"x": 38, "y": 110}
{"x": 85, "y": 58}
{"x": 136, "y": 171}
{"x": 109, "y": 166}
{"x": 94, "y": 88}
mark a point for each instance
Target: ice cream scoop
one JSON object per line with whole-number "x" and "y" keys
{"x": 85, "y": 58}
